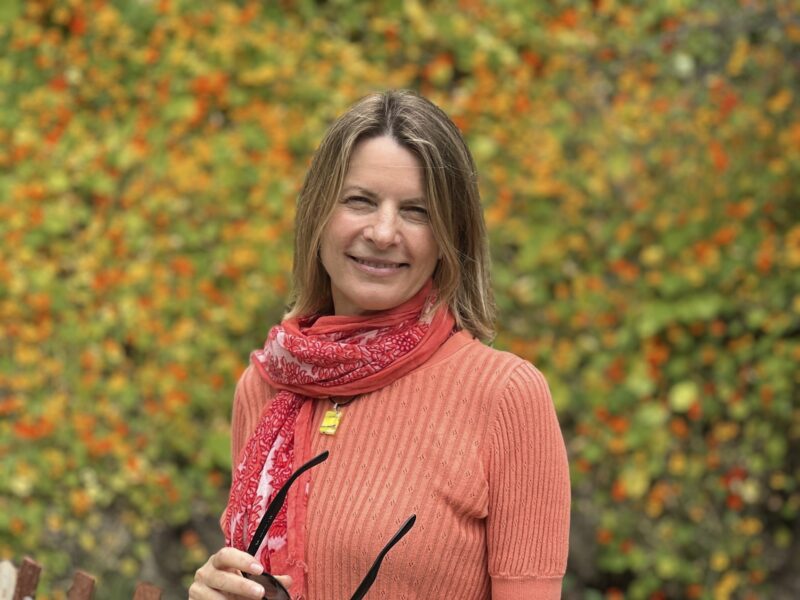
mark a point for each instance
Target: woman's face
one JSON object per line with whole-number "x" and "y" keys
{"x": 378, "y": 247}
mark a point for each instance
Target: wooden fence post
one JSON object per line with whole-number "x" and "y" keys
{"x": 27, "y": 579}
{"x": 21, "y": 584}
{"x": 147, "y": 591}
{"x": 82, "y": 587}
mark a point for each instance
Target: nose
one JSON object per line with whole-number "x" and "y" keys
{"x": 383, "y": 229}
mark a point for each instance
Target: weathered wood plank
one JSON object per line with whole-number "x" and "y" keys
{"x": 147, "y": 591}
{"x": 21, "y": 584}
{"x": 27, "y": 579}
{"x": 82, "y": 587}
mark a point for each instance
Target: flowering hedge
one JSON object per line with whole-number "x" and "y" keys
{"x": 639, "y": 164}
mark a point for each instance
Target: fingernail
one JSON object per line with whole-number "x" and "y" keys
{"x": 256, "y": 568}
{"x": 257, "y": 589}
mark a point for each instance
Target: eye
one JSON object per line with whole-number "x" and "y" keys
{"x": 416, "y": 212}
{"x": 357, "y": 201}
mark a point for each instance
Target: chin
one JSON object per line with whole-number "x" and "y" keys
{"x": 373, "y": 307}
{"x": 375, "y": 304}
{"x": 362, "y": 298}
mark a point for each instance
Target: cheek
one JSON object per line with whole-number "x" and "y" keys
{"x": 434, "y": 250}
{"x": 329, "y": 239}
{"x": 337, "y": 233}
{"x": 326, "y": 253}
{"x": 432, "y": 253}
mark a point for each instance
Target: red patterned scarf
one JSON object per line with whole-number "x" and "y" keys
{"x": 318, "y": 357}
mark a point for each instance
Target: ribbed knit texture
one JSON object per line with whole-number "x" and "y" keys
{"x": 470, "y": 443}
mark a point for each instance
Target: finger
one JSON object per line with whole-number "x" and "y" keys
{"x": 200, "y": 591}
{"x": 231, "y": 558}
{"x": 235, "y": 584}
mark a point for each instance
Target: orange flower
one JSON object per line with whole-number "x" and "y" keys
{"x": 656, "y": 353}
{"x": 17, "y": 526}
{"x": 80, "y": 502}
{"x": 618, "y": 491}
{"x": 726, "y": 235}
{"x": 77, "y": 25}
{"x": 10, "y": 405}
{"x": 625, "y": 270}
{"x": 27, "y": 429}
{"x": 695, "y": 411}
{"x": 694, "y": 591}
{"x": 734, "y": 502}
{"x": 99, "y": 446}
{"x": 679, "y": 428}
{"x": 178, "y": 371}
{"x": 728, "y": 102}
{"x": 189, "y": 538}
{"x": 567, "y": 19}
{"x": 718, "y": 328}
{"x": 616, "y": 372}
{"x": 619, "y": 424}
{"x": 604, "y": 536}
{"x": 719, "y": 158}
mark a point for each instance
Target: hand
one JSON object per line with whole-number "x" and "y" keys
{"x": 221, "y": 577}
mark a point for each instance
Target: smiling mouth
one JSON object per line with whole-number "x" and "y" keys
{"x": 378, "y": 264}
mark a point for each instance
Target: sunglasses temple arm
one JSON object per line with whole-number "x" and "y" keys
{"x": 369, "y": 578}
{"x": 277, "y": 503}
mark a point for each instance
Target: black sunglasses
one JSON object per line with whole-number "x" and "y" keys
{"x": 274, "y": 590}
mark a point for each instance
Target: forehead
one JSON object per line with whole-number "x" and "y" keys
{"x": 385, "y": 167}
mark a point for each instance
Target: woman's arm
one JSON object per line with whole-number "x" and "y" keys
{"x": 220, "y": 577}
{"x": 251, "y": 396}
{"x": 529, "y": 492}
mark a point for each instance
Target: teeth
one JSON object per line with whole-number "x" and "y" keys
{"x": 377, "y": 265}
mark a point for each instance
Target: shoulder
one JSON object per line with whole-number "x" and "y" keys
{"x": 252, "y": 390}
{"x": 251, "y": 379}
{"x": 517, "y": 392}
{"x": 494, "y": 382}
{"x": 252, "y": 395}
{"x": 504, "y": 359}
{"x": 502, "y": 367}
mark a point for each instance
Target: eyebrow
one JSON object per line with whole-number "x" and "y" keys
{"x": 372, "y": 195}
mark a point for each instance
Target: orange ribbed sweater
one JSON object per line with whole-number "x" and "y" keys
{"x": 470, "y": 443}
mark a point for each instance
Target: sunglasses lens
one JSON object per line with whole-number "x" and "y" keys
{"x": 273, "y": 590}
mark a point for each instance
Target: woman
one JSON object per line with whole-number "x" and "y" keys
{"x": 381, "y": 350}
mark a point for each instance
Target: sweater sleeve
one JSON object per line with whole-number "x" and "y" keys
{"x": 529, "y": 492}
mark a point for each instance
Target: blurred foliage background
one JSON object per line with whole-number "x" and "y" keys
{"x": 639, "y": 164}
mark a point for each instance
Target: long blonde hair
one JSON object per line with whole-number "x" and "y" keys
{"x": 463, "y": 274}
